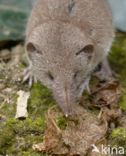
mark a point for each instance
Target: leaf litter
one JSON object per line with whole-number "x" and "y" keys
{"x": 86, "y": 128}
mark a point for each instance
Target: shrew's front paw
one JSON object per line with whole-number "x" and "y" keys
{"x": 104, "y": 73}
{"x": 28, "y": 76}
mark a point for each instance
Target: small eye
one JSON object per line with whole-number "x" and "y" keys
{"x": 50, "y": 76}
{"x": 75, "y": 74}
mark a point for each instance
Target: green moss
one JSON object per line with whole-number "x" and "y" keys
{"x": 23, "y": 65}
{"x": 62, "y": 122}
{"x": 22, "y": 134}
{"x": 117, "y": 57}
{"x": 9, "y": 109}
{"x": 40, "y": 100}
{"x": 120, "y": 133}
{"x": 28, "y": 126}
{"x": 6, "y": 139}
{"x": 122, "y": 103}
{"x": 18, "y": 136}
{"x": 118, "y": 137}
{"x": 33, "y": 154}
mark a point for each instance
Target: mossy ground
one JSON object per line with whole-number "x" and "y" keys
{"x": 118, "y": 62}
{"x": 118, "y": 137}
{"x": 117, "y": 59}
{"x": 18, "y": 136}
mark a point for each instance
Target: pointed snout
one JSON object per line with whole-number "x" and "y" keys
{"x": 66, "y": 99}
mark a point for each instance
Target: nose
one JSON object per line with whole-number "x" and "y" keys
{"x": 67, "y": 102}
{"x": 65, "y": 99}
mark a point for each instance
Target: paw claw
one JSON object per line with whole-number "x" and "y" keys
{"x": 28, "y": 76}
{"x": 87, "y": 86}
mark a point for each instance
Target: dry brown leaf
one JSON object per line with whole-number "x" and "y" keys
{"x": 106, "y": 94}
{"x": 78, "y": 136}
{"x": 85, "y": 128}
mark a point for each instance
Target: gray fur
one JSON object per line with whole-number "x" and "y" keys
{"x": 65, "y": 45}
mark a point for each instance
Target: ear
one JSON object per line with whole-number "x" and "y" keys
{"x": 88, "y": 50}
{"x": 31, "y": 49}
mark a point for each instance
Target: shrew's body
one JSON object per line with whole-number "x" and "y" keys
{"x": 65, "y": 41}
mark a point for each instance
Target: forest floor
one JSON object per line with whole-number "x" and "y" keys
{"x": 100, "y": 119}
